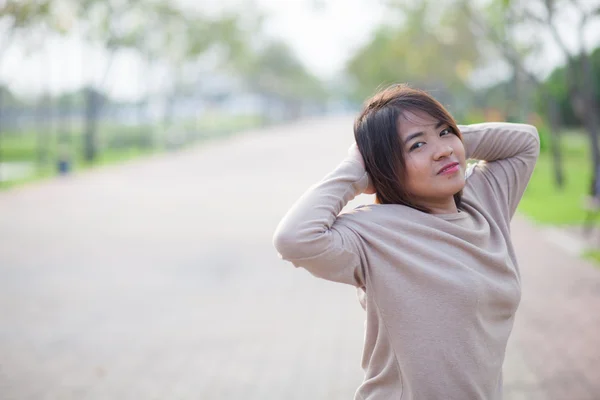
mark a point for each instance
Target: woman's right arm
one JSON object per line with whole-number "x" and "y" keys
{"x": 308, "y": 235}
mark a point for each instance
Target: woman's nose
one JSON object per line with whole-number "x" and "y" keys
{"x": 443, "y": 151}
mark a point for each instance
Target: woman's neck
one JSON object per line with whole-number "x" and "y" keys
{"x": 445, "y": 206}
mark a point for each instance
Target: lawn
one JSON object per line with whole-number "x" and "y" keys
{"x": 543, "y": 202}
{"x": 116, "y": 143}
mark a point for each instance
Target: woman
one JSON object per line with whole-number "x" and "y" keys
{"x": 433, "y": 258}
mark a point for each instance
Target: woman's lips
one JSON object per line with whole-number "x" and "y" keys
{"x": 451, "y": 169}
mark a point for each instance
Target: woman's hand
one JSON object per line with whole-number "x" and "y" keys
{"x": 354, "y": 153}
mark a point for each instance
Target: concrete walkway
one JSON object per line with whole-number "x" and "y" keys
{"x": 157, "y": 280}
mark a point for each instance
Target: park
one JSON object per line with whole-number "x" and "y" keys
{"x": 137, "y": 209}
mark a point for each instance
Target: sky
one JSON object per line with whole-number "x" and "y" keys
{"x": 323, "y": 33}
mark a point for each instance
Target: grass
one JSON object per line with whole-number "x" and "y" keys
{"x": 543, "y": 202}
{"x": 116, "y": 143}
{"x": 49, "y": 170}
{"x": 593, "y": 255}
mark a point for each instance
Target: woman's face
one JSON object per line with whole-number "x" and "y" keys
{"x": 435, "y": 160}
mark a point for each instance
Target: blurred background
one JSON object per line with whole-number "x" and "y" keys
{"x": 85, "y": 83}
{"x": 123, "y": 120}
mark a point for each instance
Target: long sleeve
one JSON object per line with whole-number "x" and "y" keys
{"x": 308, "y": 235}
{"x": 510, "y": 152}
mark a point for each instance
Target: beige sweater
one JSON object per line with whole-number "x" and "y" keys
{"x": 440, "y": 290}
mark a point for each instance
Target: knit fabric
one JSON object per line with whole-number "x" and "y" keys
{"x": 440, "y": 290}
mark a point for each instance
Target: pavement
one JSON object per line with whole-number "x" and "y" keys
{"x": 157, "y": 279}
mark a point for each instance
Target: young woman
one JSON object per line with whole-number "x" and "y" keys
{"x": 433, "y": 258}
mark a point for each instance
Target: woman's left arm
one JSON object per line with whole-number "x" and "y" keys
{"x": 510, "y": 152}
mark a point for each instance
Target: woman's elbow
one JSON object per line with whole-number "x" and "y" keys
{"x": 534, "y": 132}
{"x": 299, "y": 244}
{"x": 284, "y": 242}
{"x": 531, "y": 130}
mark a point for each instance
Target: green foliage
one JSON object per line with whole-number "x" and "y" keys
{"x": 120, "y": 24}
{"x": 276, "y": 70}
{"x": 473, "y": 116}
{"x": 429, "y": 49}
{"x": 557, "y": 85}
{"x": 23, "y": 14}
{"x": 503, "y": 22}
{"x": 592, "y": 255}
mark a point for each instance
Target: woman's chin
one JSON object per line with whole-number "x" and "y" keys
{"x": 455, "y": 186}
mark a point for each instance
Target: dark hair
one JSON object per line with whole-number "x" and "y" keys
{"x": 377, "y": 138}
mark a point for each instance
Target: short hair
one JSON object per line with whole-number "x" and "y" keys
{"x": 377, "y": 138}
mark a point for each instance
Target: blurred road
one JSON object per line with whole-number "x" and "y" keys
{"x": 157, "y": 280}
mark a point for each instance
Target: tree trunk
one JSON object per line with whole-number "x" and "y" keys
{"x": 509, "y": 94}
{"x": 581, "y": 93}
{"x": 169, "y": 110}
{"x": 94, "y": 105}
{"x": 590, "y": 108}
{"x": 141, "y": 111}
{"x": 91, "y": 125}
{"x": 64, "y": 126}
{"x": 591, "y": 125}
{"x": 44, "y": 126}
{"x": 523, "y": 96}
{"x": 1, "y": 116}
{"x": 553, "y": 111}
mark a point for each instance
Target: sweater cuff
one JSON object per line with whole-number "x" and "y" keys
{"x": 355, "y": 169}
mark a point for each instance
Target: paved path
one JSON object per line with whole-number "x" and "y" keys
{"x": 157, "y": 280}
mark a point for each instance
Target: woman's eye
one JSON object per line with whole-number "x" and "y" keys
{"x": 445, "y": 132}
{"x": 416, "y": 145}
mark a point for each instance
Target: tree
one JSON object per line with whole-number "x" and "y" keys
{"x": 276, "y": 73}
{"x": 581, "y": 83}
{"x": 498, "y": 24}
{"x": 557, "y": 84}
{"x": 268, "y": 67}
{"x": 20, "y": 20}
{"x": 117, "y": 25}
{"x": 495, "y": 22}
{"x": 19, "y": 16}
{"x": 431, "y": 49}
{"x": 159, "y": 31}
{"x": 580, "y": 78}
